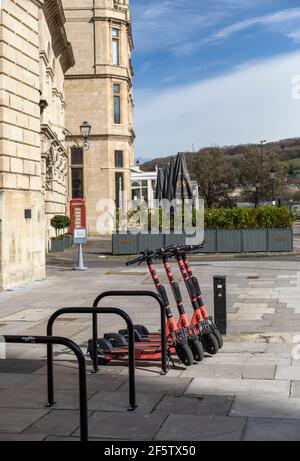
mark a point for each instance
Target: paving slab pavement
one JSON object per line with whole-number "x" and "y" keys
{"x": 118, "y": 401}
{"x": 17, "y": 420}
{"x": 205, "y": 405}
{"x": 266, "y": 406}
{"x": 55, "y": 422}
{"x": 201, "y": 428}
{"x": 208, "y": 386}
{"x": 272, "y": 430}
{"x": 119, "y": 426}
{"x": 33, "y": 399}
{"x": 249, "y": 389}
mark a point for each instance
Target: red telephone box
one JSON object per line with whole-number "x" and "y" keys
{"x": 77, "y": 214}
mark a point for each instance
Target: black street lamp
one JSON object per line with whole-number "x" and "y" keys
{"x": 273, "y": 176}
{"x": 227, "y": 198}
{"x": 262, "y": 152}
{"x": 257, "y": 186}
{"x": 85, "y": 131}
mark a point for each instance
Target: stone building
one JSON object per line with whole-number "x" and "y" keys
{"x": 34, "y": 55}
{"x": 99, "y": 90}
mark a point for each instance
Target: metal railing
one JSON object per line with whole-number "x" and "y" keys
{"x": 95, "y": 311}
{"x": 133, "y": 293}
{"x": 50, "y": 341}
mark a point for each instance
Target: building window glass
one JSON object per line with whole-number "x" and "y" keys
{"x": 140, "y": 190}
{"x": 117, "y": 103}
{"x": 119, "y": 179}
{"x": 116, "y": 46}
{"x": 77, "y": 172}
{"x": 119, "y": 159}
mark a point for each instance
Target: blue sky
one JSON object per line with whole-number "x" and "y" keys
{"x": 214, "y": 72}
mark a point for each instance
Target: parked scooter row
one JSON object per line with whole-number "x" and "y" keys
{"x": 189, "y": 340}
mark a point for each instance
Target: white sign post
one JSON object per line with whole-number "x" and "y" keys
{"x": 80, "y": 238}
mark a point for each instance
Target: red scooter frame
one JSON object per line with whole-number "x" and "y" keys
{"x": 183, "y": 323}
{"x": 208, "y": 340}
{"x": 177, "y": 338}
{"x": 181, "y": 254}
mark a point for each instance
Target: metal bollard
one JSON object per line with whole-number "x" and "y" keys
{"x": 80, "y": 264}
{"x": 220, "y": 303}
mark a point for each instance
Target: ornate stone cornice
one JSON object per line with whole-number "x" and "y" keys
{"x": 55, "y": 17}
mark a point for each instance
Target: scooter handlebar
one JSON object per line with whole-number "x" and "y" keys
{"x": 135, "y": 261}
{"x": 145, "y": 256}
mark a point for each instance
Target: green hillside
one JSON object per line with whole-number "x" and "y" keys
{"x": 288, "y": 151}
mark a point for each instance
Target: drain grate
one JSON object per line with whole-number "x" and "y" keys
{"x": 253, "y": 277}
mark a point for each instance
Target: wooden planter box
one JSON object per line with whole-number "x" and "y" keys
{"x": 215, "y": 241}
{"x": 57, "y": 246}
{"x": 150, "y": 241}
{"x": 67, "y": 242}
{"x": 124, "y": 244}
{"x": 210, "y": 241}
{"x": 174, "y": 239}
{"x": 255, "y": 240}
{"x": 128, "y": 244}
{"x": 229, "y": 241}
{"x": 280, "y": 239}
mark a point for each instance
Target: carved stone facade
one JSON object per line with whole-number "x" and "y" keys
{"x": 34, "y": 55}
{"x": 99, "y": 90}
{"x": 56, "y": 57}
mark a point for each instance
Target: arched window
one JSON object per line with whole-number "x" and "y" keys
{"x": 136, "y": 184}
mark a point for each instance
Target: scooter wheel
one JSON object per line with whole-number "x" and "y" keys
{"x": 210, "y": 344}
{"x": 185, "y": 354}
{"x": 103, "y": 347}
{"x": 143, "y": 331}
{"x": 197, "y": 349}
{"x": 219, "y": 337}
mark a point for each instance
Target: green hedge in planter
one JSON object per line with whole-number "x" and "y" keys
{"x": 265, "y": 217}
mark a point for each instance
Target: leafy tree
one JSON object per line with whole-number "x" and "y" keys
{"x": 291, "y": 170}
{"x": 254, "y": 174}
{"x": 214, "y": 175}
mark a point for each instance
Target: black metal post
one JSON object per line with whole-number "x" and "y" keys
{"x": 95, "y": 311}
{"x": 273, "y": 191}
{"x": 135, "y": 293}
{"x": 50, "y": 340}
{"x": 220, "y": 303}
{"x": 95, "y": 342}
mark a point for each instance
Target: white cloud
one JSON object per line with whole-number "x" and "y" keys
{"x": 244, "y": 106}
{"x": 171, "y": 24}
{"x": 272, "y": 19}
{"x": 295, "y": 35}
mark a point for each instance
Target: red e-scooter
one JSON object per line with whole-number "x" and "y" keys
{"x": 202, "y": 328}
{"x": 183, "y": 321}
{"x": 114, "y": 346}
{"x": 181, "y": 254}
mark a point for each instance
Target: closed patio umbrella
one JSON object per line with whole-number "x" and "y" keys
{"x": 182, "y": 181}
{"x": 166, "y": 180}
{"x": 159, "y": 184}
{"x": 170, "y": 192}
